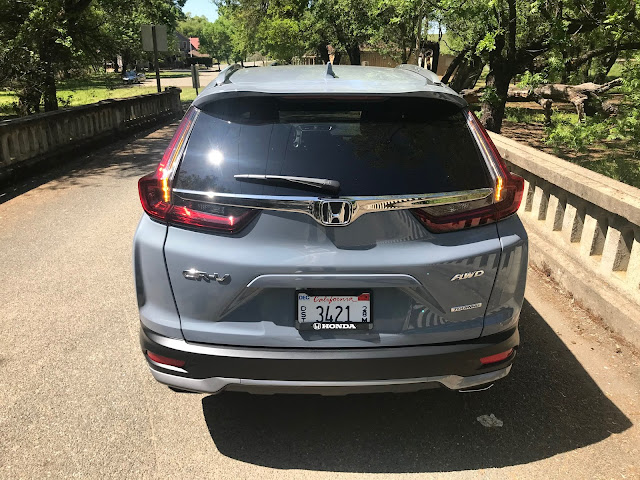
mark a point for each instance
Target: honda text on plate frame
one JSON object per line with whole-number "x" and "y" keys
{"x": 330, "y": 234}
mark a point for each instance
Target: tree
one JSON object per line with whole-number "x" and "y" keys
{"x": 352, "y": 23}
{"x": 39, "y": 39}
{"x": 557, "y": 36}
{"x": 123, "y": 19}
{"x": 193, "y": 26}
{"x": 401, "y": 24}
{"x": 216, "y": 39}
{"x": 282, "y": 38}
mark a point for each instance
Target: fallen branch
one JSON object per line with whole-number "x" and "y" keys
{"x": 585, "y": 97}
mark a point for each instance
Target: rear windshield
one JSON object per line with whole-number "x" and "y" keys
{"x": 388, "y": 146}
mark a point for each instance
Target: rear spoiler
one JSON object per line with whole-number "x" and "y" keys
{"x": 451, "y": 97}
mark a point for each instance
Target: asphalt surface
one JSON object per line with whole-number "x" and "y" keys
{"x": 77, "y": 400}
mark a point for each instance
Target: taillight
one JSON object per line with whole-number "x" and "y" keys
{"x": 507, "y": 193}
{"x": 158, "y": 202}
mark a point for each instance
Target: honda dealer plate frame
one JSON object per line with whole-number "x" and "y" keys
{"x": 326, "y": 310}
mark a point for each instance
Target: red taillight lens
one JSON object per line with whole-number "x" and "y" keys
{"x": 508, "y": 191}
{"x": 229, "y": 219}
{"x": 165, "y": 360}
{"x": 498, "y": 357}
{"x": 157, "y": 201}
{"x": 152, "y": 196}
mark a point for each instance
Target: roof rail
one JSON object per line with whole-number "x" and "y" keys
{"x": 223, "y": 76}
{"x": 430, "y": 76}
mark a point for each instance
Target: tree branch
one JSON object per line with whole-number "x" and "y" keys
{"x": 584, "y": 58}
{"x": 511, "y": 39}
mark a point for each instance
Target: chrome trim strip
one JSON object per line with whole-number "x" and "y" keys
{"x": 177, "y": 157}
{"x": 217, "y": 384}
{"x": 360, "y": 205}
{"x": 347, "y": 280}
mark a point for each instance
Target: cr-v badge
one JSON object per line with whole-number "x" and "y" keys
{"x": 193, "y": 274}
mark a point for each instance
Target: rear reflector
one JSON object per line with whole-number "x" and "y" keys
{"x": 507, "y": 193}
{"x": 165, "y": 360}
{"x": 156, "y": 196}
{"x": 498, "y": 357}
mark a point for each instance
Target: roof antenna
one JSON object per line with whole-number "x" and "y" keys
{"x": 330, "y": 71}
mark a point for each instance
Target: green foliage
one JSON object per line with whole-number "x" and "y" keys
{"x": 282, "y": 38}
{"x": 627, "y": 122}
{"x": 193, "y": 26}
{"x": 567, "y": 132}
{"x": 488, "y": 43}
{"x": 398, "y": 23}
{"x": 575, "y": 135}
{"x": 531, "y": 80}
{"x": 41, "y": 40}
{"x": 490, "y": 96}
{"x": 216, "y": 39}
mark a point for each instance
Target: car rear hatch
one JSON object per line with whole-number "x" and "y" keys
{"x": 411, "y": 229}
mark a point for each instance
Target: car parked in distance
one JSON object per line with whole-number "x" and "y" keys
{"x": 331, "y": 230}
{"x": 130, "y": 77}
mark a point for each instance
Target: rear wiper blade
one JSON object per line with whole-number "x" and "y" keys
{"x": 323, "y": 183}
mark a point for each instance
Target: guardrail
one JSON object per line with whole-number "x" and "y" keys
{"x": 31, "y": 140}
{"x": 584, "y": 231}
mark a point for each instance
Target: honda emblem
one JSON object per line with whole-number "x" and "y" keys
{"x": 335, "y": 212}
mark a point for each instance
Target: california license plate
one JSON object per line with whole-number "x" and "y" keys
{"x": 334, "y": 312}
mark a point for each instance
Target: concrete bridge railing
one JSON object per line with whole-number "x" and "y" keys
{"x": 31, "y": 140}
{"x": 584, "y": 231}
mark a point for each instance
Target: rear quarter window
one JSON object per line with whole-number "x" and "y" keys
{"x": 387, "y": 146}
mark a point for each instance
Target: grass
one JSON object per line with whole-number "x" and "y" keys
{"x": 94, "y": 88}
{"x": 523, "y": 115}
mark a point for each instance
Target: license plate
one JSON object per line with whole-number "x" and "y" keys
{"x": 334, "y": 312}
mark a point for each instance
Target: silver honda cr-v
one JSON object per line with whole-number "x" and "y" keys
{"x": 329, "y": 230}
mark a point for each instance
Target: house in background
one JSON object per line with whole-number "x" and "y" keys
{"x": 188, "y": 53}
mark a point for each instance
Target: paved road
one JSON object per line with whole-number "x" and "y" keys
{"x": 76, "y": 399}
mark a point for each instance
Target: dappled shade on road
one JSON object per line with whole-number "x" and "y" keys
{"x": 549, "y": 405}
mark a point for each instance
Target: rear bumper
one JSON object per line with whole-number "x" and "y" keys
{"x": 211, "y": 368}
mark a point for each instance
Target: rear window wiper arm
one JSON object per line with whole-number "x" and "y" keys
{"x": 323, "y": 183}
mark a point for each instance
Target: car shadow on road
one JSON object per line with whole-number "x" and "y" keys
{"x": 549, "y": 405}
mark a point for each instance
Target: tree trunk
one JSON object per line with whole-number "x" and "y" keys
{"x": 467, "y": 73}
{"x": 49, "y": 86}
{"x": 493, "y": 107}
{"x": 436, "y": 57}
{"x": 323, "y": 52}
{"x": 453, "y": 65}
{"x": 353, "y": 50}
